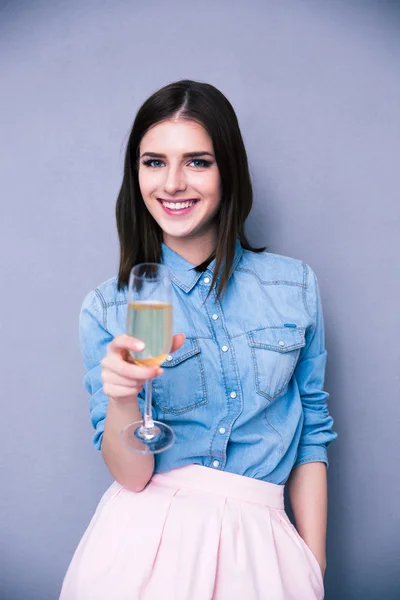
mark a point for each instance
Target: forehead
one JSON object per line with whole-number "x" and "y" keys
{"x": 176, "y": 136}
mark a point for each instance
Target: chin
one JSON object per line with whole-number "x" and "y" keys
{"x": 180, "y": 235}
{"x": 176, "y": 232}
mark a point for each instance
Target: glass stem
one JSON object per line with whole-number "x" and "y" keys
{"x": 148, "y": 422}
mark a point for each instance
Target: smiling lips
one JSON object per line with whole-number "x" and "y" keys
{"x": 177, "y": 207}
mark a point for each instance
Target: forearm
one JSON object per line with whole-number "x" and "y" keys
{"x": 130, "y": 469}
{"x": 308, "y": 495}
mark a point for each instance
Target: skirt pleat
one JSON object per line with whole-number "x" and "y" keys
{"x": 193, "y": 534}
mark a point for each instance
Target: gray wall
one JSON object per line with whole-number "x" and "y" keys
{"x": 316, "y": 85}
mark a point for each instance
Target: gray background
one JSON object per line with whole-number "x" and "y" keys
{"x": 316, "y": 86}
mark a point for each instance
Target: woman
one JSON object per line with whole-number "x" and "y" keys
{"x": 243, "y": 390}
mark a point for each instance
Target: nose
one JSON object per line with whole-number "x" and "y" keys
{"x": 175, "y": 180}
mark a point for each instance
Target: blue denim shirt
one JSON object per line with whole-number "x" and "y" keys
{"x": 244, "y": 393}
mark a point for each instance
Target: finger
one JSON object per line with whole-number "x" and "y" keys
{"x": 177, "y": 342}
{"x": 114, "y": 363}
{"x": 125, "y": 342}
{"x": 113, "y": 378}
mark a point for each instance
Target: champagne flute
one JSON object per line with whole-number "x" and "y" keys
{"x": 149, "y": 320}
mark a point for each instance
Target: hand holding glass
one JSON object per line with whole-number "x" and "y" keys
{"x": 149, "y": 320}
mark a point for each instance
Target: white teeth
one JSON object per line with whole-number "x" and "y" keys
{"x": 177, "y": 205}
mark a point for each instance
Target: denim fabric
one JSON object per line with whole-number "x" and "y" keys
{"x": 245, "y": 393}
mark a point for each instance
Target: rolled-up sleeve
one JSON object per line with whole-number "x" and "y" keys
{"x": 317, "y": 432}
{"x": 94, "y": 339}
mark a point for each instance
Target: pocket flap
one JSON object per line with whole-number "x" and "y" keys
{"x": 190, "y": 348}
{"x": 280, "y": 339}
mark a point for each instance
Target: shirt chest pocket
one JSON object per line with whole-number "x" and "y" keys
{"x": 182, "y": 386}
{"x": 275, "y": 352}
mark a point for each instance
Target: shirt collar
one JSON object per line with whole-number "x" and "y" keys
{"x": 184, "y": 273}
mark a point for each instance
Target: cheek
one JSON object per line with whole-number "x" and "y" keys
{"x": 215, "y": 188}
{"x": 209, "y": 187}
{"x": 147, "y": 182}
{"x": 143, "y": 183}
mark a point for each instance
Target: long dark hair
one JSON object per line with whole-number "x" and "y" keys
{"x": 140, "y": 236}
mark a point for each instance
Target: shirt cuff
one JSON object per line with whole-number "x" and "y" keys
{"x": 308, "y": 454}
{"x": 98, "y": 434}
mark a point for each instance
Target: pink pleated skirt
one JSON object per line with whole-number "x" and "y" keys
{"x": 193, "y": 534}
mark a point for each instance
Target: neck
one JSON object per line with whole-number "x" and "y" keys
{"x": 194, "y": 250}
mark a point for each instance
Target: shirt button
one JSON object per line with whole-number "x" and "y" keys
{"x": 215, "y": 317}
{"x": 233, "y": 394}
{"x": 216, "y": 463}
{"x": 281, "y": 343}
{"x": 169, "y": 357}
{"x": 206, "y": 280}
{"x": 222, "y": 430}
{"x": 224, "y": 348}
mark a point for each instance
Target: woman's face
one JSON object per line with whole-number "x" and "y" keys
{"x": 179, "y": 179}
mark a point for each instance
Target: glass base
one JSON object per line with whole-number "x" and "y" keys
{"x": 147, "y": 441}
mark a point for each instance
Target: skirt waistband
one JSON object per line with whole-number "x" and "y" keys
{"x": 222, "y": 483}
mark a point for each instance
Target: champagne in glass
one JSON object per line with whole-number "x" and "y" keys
{"x": 149, "y": 320}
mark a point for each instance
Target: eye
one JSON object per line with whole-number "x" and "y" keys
{"x": 154, "y": 163}
{"x": 200, "y": 163}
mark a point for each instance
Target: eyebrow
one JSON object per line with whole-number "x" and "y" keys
{"x": 186, "y": 155}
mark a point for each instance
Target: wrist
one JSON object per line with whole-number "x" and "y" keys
{"x": 322, "y": 565}
{"x": 318, "y": 552}
{"x": 321, "y": 560}
{"x": 126, "y": 400}
{"x": 126, "y": 408}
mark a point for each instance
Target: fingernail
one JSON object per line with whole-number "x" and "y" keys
{"x": 139, "y": 346}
